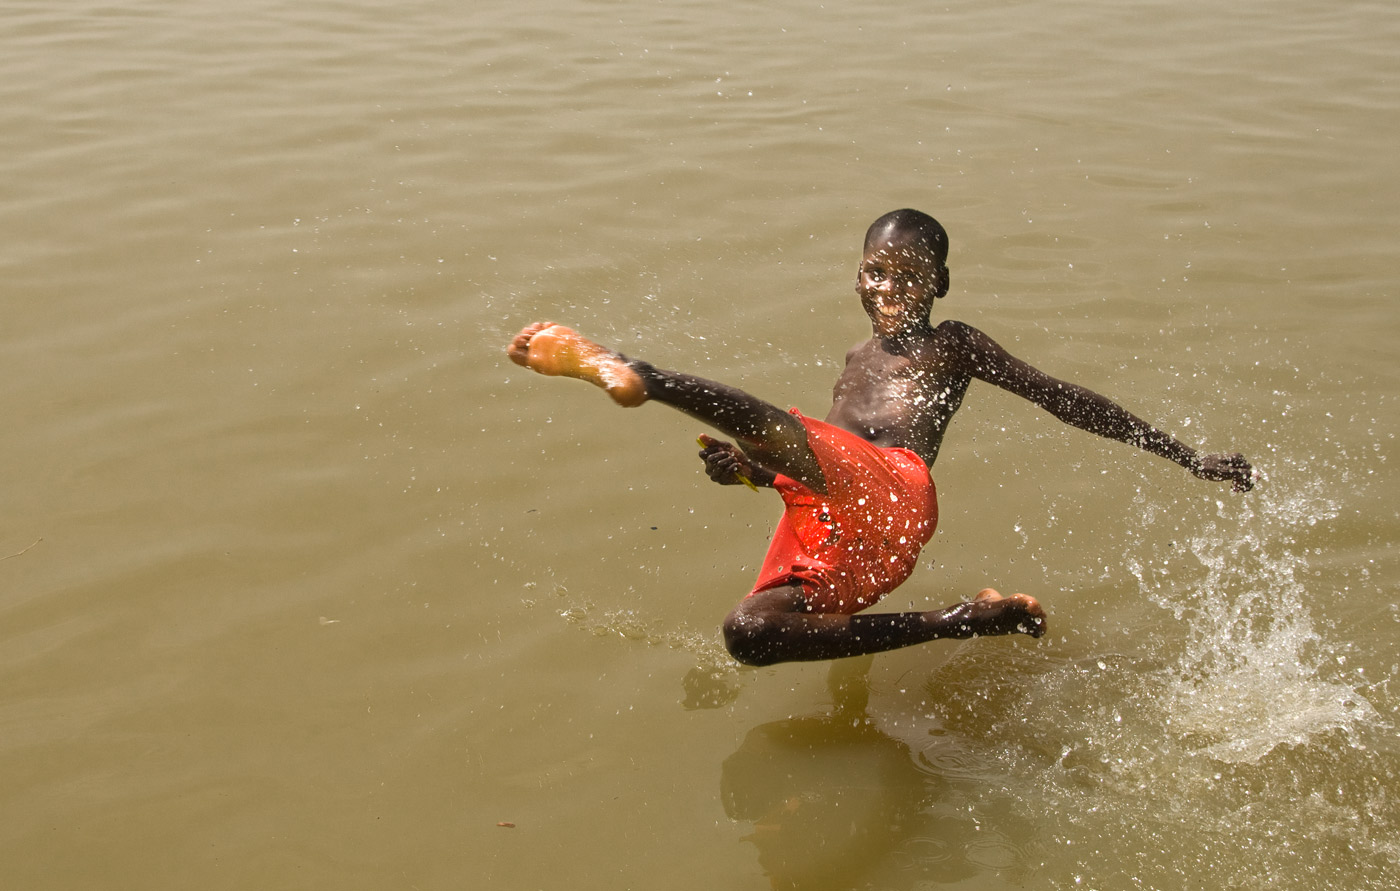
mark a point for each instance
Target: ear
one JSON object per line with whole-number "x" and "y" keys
{"x": 940, "y": 288}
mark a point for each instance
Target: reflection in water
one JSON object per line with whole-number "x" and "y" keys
{"x": 828, "y": 796}
{"x": 711, "y": 684}
{"x": 836, "y": 802}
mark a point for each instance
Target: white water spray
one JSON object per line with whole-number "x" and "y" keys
{"x": 1254, "y": 673}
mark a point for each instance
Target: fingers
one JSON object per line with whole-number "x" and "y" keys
{"x": 1241, "y": 474}
{"x": 1246, "y": 480}
{"x": 723, "y": 467}
{"x": 1243, "y": 479}
{"x": 715, "y": 448}
{"x": 711, "y": 446}
{"x": 1233, "y": 469}
{"x": 718, "y": 459}
{"x": 725, "y": 463}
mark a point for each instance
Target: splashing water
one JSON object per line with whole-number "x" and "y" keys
{"x": 1233, "y": 750}
{"x": 1252, "y": 675}
{"x": 713, "y": 682}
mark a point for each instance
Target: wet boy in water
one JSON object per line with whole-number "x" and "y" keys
{"x": 859, "y": 500}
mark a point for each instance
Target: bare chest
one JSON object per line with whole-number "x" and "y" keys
{"x": 897, "y": 399}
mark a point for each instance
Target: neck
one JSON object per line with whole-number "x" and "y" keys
{"x": 916, "y": 331}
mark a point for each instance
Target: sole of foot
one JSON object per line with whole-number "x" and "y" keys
{"x": 555, "y": 350}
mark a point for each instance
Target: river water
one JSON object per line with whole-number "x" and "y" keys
{"x": 303, "y": 585}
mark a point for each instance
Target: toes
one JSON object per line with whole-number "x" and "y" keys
{"x": 519, "y": 349}
{"x": 530, "y": 331}
{"x": 1035, "y": 612}
{"x": 1031, "y": 606}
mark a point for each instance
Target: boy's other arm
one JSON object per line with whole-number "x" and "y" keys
{"x": 1083, "y": 408}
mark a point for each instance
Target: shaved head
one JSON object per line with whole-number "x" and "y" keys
{"x": 905, "y": 228}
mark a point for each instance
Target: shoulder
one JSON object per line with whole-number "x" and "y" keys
{"x": 973, "y": 351}
{"x": 863, "y": 346}
{"x": 961, "y": 337}
{"x": 954, "y": 328}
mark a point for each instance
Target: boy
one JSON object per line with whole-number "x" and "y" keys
{"x": 859, "y": 500}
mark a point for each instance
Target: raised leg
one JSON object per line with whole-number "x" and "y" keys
{"x": 774, "y": 626}
{"x": 769, "y": 435}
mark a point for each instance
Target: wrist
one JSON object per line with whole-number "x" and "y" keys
{"x": 1174, "y": 450}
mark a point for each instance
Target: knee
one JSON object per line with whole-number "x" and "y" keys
{"x": 750, "y": 637}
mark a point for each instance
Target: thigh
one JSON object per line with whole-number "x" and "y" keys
{"x": 769, "y": 435}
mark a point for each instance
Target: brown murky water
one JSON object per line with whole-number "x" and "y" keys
{"x": 303, "y": 585}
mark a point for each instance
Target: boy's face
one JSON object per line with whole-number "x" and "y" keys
{"x": 897, "y": 286}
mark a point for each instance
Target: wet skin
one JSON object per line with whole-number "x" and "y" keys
{"x": 899, "y": 388}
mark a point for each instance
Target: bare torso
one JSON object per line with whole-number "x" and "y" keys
{"x": 902, "y": 391}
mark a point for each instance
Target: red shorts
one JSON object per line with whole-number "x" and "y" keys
{"x": 859, "y": 541}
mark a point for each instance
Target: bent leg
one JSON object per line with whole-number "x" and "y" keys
{"x": 767, "y": 434}
{"x": 774, "y": 626}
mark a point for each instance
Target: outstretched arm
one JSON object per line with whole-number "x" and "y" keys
{"x": 726, "y": 464}
{"x": 1083, "y": 408}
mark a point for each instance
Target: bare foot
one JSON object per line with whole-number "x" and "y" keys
{"x": 989, "y": 613}
{"x": 555, "y": 350}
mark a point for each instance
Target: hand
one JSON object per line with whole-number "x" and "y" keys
{"x": 725, "y": 463}
{"x": 1220, "y": 468}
